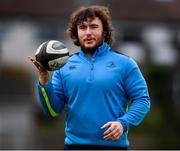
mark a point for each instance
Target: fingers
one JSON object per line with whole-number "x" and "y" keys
{"x": 30, "y": 58}
{"x": 116, "y": 135}
{"x": 106, "y": 125}
{"x": 37, "y": 64}
{"x": 110, "y": 129}
{"x": 113, "y": 132}
{"x": 42, "y": 72}
{"x": 110, "y": 132}
{"x": 34, "y": 61}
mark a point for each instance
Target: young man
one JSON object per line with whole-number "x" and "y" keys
{"x": 95, "y": 86}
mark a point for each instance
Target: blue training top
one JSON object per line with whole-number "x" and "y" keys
{"x": 95, "y": 92}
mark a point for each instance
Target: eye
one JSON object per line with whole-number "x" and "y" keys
{"x": 94, "y": 26}
{"x": 82, "y": 27}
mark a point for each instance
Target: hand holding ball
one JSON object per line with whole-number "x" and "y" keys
{"x": 52, "y": 55}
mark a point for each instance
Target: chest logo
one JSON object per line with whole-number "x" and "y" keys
{"x": 72, "y": 67}
{"x": 110, "y": 64}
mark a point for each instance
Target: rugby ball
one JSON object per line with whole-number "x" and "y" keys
{"x": 52, "y": 55}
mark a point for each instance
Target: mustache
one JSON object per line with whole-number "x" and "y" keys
{"x": 86, "y": 39}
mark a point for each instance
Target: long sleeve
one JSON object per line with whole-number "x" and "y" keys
{"x": 51, "y": 95}
{"x": 137, "y": 91}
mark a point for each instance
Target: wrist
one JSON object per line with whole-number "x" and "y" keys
{"x": 43, "y": 82}
{"x": 124, "y": 125}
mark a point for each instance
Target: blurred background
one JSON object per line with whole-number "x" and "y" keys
{"x": 147, "y": 30}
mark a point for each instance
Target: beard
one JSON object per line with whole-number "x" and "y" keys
{"x": 93, "y": 48}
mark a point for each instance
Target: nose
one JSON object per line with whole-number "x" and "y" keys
{"x": 88, "y": 31}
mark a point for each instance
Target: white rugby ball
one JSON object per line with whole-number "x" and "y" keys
{"x": 52, "y": 55}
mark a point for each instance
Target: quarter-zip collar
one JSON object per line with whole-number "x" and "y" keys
{"x": 101, "y": 50}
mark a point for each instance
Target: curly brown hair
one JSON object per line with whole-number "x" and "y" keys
{"x": 84, "y": 13}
